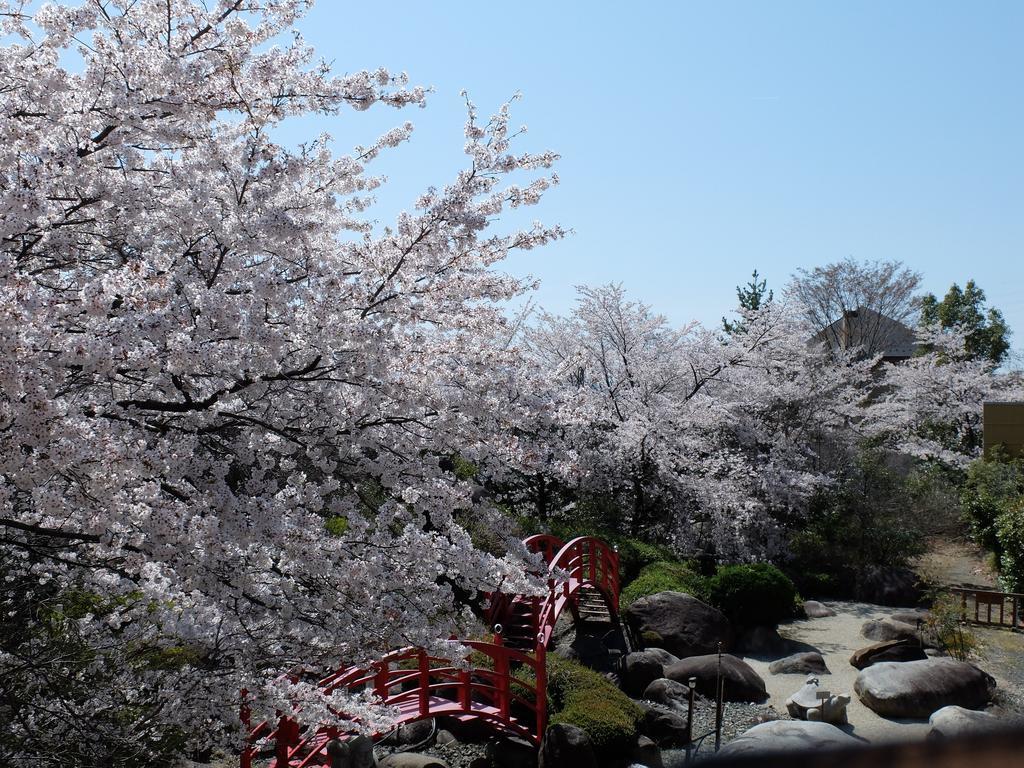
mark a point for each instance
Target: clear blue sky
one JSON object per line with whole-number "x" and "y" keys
{"x": 702, "y": 140}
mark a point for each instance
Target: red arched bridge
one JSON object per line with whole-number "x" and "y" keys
{"x": 503, "y": 682}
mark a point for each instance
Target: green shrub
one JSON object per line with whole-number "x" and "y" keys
{"x": 753, "y": 594}
{"x": 664, "y": 576}
{"x": 585, "y": 698}
{"x": 992, "y": 488}
{"x": 1010, "y": 534}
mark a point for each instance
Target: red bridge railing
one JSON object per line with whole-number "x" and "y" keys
{"x": 499, "y": 684}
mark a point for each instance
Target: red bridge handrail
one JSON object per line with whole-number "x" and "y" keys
{"x": 421, "y": 686}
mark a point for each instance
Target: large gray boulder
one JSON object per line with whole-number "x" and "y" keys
{"x": 809, "y": 663}
{"x": 891, "y": 650}
{"x": 787, "y": 736}
{"x": 641, "y": 668}
{"x": 919, "y": 688}
{"x": 742, "y": 683}
{"x": 679, "y": 623}
{"x": 567, "y": 746}
{"x": 952, "y": 722}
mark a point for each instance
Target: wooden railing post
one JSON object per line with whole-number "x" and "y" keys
{"x": 424, "y": 682}
{"x": 541, "y": 677}
{"x": 380, "y": 680}
{"x": 287, "y": 737}
{"x": 247, "y": 749}
{"x": 501, "y": 682}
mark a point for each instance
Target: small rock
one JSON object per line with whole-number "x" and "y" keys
{"x": 910, "y": 617}
{"x": 512, "y": 752}
{"x": 763, "y": 641}
{"x": 356, "y": 752}
{"x": 445, "y": 737}
{"x": 641, "y": 668}
{"x": 890, "y": 629}
{"x": 891, "y": 650}
{"x": 815, "y": 610}
{"x": 567, "y": 745}
{"x": 669, "y": 693}
{"x": 647, "y": 753}
{"x": 416, "y": 732}
{"x": 810, "y": 663}
{"x": 808, "y": 704}
{"x": 665, "y": 728}
{"x": 411, "y": 760}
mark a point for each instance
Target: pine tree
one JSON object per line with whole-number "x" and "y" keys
{"x": 752, "y": 296}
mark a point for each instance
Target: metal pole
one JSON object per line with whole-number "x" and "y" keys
{"x": 692, "y": 685}
{"x": 719, "y": 695}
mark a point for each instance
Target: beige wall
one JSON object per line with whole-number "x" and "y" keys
{"x": 1004, "y": 425}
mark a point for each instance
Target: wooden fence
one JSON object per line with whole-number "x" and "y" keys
{"x": 996, "y": 609}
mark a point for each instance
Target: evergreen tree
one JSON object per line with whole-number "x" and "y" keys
{"x": 985, "y": 330}
{"x": 752, "y": 296}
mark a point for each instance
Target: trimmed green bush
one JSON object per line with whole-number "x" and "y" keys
{"x": 585, "y": 698}
{"x": 663, "y": 576}
{"x": 753, "y": 594}
{"x": 1010, "y": 533}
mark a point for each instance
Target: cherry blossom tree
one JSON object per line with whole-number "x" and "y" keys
{"x": 698, "y": 436}
{"x": 226, "y": 397}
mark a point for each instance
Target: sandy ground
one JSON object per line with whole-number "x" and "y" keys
{"x": 836, "y": 638}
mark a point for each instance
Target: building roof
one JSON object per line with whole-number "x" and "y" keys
{"x": 875, "y": 332}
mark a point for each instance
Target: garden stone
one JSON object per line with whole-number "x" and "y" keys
{"x": 512, "y": 752}
{"x": 416, "y": 732}
{"x": 679, "y": 623}
{"x": 952, "y": 722}
{"x": 889, "y": 629}
{"x": 667, "y": 729}
{"x": 919, "y": 688}
{"x": 569, "y": 746}
{"x": 353, "y": 753}
{"x": 805, "y": 704}
{"x": 815, "y": 610}
{"x": 647, "y": 753}
{"x": 641, "y": 668}
{"x": 809, "y": 663}
{"x": 763, "y": 641}
{"x": 742, "y": 683}
{"x": 669, "y": 693}
{"x": 445, "y": 737}
{"x": 891, "y": 650}
{"x": 787, "y": 736}
{"x": 888, "y": 585}
{"x": 910, "y": 617}
{"x": 411, "y": 760}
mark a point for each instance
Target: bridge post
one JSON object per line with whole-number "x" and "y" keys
{"x": 380, "y": 680}
{"x": 541, "y": 677}
{"x": 501, "y": 682}
{"x": 287, "y": 737}
{"x": 424, "y": 682}
{"x": 247, "y": 750}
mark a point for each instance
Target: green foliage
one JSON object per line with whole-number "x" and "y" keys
{"x": 336, "y": 526}
{"x": 751, "y": 296}
{"x": 586, "y": 699}
{"x": 993, "y": 486}
{"x": 1010, "y": 535}
{"x": 664, "y": 576}
{"x": 945, "y": 628}
{"x": 758, "y": 593}
{"x": 987, "y": 334}
{"x": 879, "y": 514}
